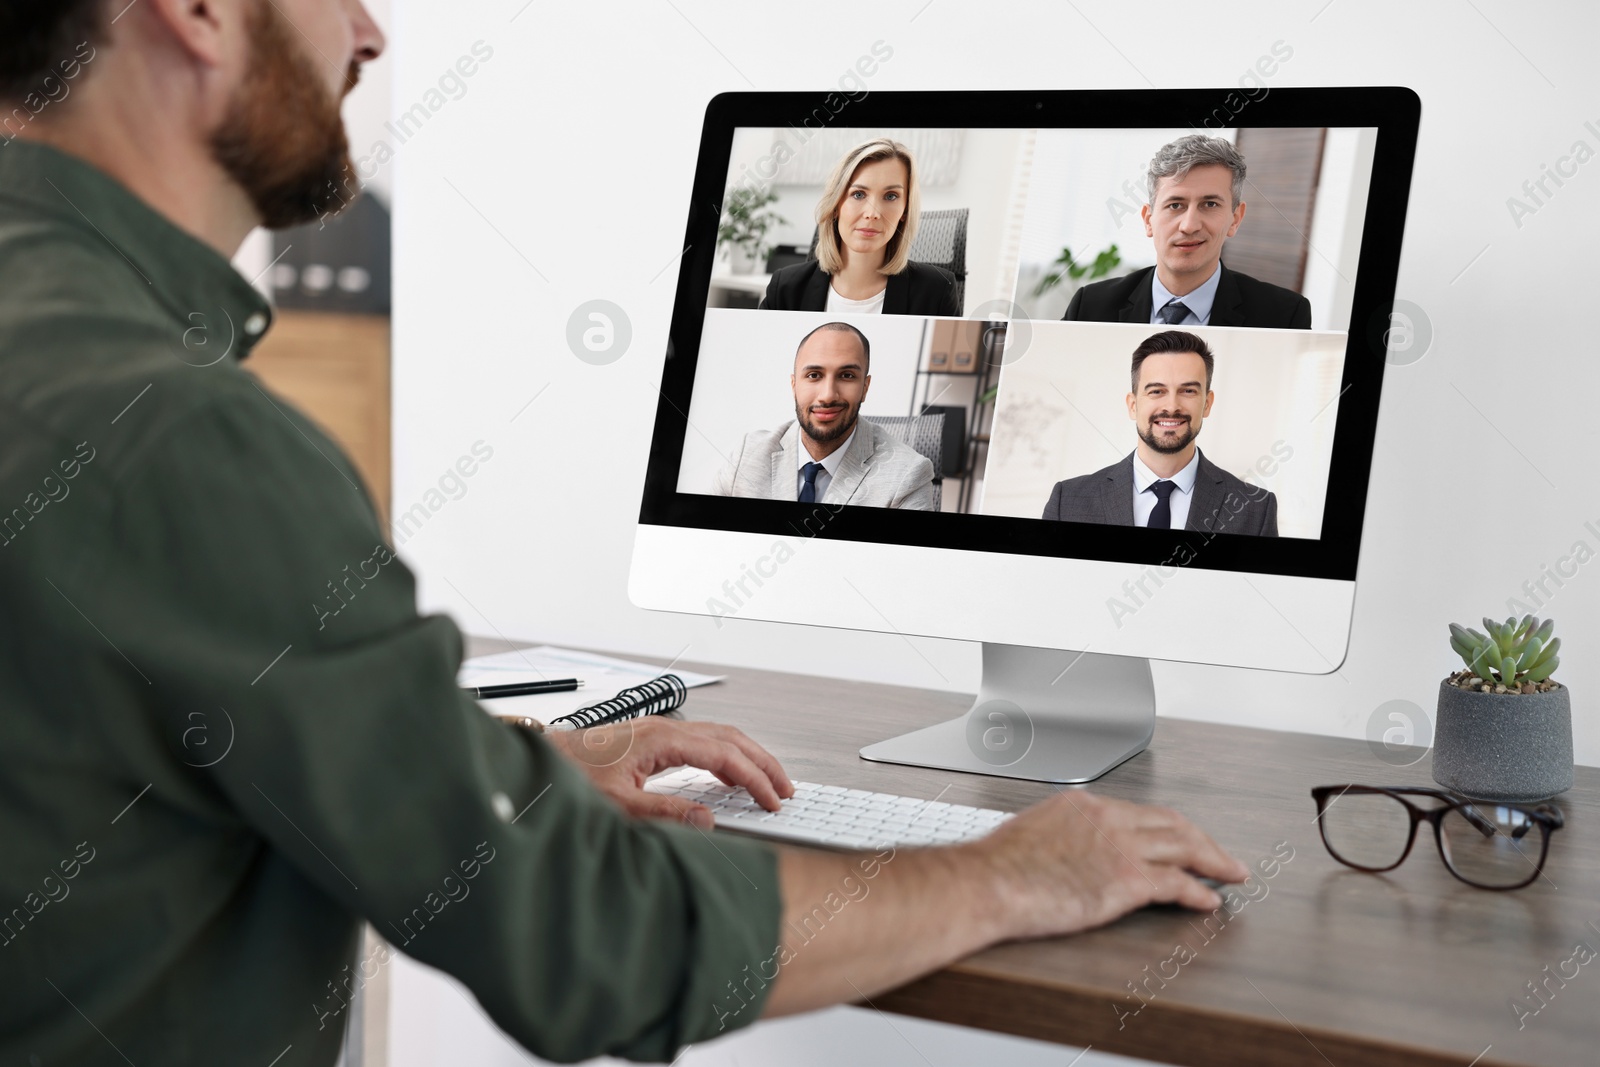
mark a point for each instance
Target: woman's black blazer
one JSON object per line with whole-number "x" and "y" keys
{"x": 920, "y": 289}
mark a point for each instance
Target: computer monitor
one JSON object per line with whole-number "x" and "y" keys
{"x": 1168, "y": 375}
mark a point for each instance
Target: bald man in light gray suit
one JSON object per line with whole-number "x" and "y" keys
{"x": 828, "y": 455}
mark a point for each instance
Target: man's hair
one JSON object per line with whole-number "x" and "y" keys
{"x": 1170, "y": 341}
{"x": 842, "y": 327}
{"x": 898, "y": 251}
{"x": 38, "y": 35}
{"x": 1177, "y": 159}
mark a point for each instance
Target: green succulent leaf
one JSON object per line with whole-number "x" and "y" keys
{"x": 1545, "y": 669}
{"x": 1530, "y": 655}
{"x": 1547, "y": 653}
{"x": 1486, "y": 662}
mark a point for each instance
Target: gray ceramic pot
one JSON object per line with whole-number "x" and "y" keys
{"x": 1503, "y": 747}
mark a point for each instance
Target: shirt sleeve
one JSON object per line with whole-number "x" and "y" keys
{"x": 249, "y": 573}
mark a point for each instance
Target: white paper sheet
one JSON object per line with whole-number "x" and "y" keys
{"x": 604, "y": 677}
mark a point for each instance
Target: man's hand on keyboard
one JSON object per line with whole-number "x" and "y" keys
{"x": 618, "y": 758}
{"x": 1078, "y": 860}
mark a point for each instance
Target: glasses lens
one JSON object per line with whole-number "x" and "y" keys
{"x": 1366, "y": 829}
{"x": 1491, "y": 845}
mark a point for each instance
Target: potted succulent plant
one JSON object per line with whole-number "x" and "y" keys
{"x": 1504, "y": 730}
{"x": 746, "y": 218}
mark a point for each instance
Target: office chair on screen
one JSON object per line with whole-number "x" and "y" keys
{"x": 941, "y": 240}
{"x": 925, "y": 433}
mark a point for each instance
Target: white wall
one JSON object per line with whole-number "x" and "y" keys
{"x": 543, "y": 189}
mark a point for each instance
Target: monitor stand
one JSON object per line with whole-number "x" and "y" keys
{"x": 1041, "y": 714}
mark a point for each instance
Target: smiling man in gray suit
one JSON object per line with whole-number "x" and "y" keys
{"x": 1167, "y": 483}
{"x": 827, "y": 454}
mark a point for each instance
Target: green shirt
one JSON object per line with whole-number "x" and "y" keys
{"x": 208, "y": 777}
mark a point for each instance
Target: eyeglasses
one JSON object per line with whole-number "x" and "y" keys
{"x": 1484, "y": 843}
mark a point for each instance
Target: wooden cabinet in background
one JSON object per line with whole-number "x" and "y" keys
{"x": 335, "y": 369}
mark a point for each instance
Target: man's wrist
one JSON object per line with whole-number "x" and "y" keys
{"x": 984, "y": 892}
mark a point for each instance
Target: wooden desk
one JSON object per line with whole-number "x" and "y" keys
{"x": 1329, "y": 966}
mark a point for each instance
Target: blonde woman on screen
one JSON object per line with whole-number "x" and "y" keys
{"x": 866, "y": 219}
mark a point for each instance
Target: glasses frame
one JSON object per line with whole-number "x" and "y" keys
{"x": 1546, "y": 816}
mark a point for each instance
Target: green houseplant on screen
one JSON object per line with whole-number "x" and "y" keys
{"x": 747, "y": 217}
{"x": 1504, "y": 728}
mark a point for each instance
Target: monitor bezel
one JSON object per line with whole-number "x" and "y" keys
{"x": 1393, "y": 111}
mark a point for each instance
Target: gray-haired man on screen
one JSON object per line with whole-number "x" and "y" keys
{"x": 1196, "y": 186}
{"x": 828, "y": 455}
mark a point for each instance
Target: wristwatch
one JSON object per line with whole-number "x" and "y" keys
{"x": 527, "y": 722}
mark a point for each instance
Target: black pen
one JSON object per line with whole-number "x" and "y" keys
{"x": 519, "y": 689}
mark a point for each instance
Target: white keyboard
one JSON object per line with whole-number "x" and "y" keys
{"x": 831, "y": 815}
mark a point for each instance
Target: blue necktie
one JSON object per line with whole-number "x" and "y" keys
{"x": 1161, "y": 514}
{"x": 808, "y": 491}
{"x": 1172, "y": 313}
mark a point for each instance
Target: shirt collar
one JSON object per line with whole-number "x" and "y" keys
{"x": 832, "y": 461}
{"x": 195, "y": 285}
{"x": 1198, "y": 301}
{"x": 1143, "y": 476}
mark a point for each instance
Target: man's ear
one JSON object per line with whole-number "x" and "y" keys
{"x": 1144, "y": 213}
{"x": 200, "y": 27}
{"x": 1238, "y": 217}
{"x": 1132, "y": 413}
{"x": 1210, "y": 396}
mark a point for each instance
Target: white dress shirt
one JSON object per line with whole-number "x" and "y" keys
{"x": 1145, "y": 502}
{"x": 1198, "y": 301}
{"x": 830, "y": 466}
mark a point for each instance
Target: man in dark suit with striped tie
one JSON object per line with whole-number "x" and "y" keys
{"x": 1196, "y": 186}
{"x": 1166, "y": 483}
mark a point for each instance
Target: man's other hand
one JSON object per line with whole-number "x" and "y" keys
{"x": 619, "y": 758}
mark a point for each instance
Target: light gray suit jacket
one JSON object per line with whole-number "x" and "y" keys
{"x": 879, "y": 470}
{"x": 1221, "y": 503}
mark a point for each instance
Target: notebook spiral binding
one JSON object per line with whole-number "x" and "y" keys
{"x": 656, "y": 697}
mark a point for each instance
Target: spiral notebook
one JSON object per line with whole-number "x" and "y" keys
{"x": 605, "y": 678}
{"x": 655, "y": 697}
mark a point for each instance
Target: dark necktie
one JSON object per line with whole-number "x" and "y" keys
{"x": 1161, "y": 515}
{"x": 1172, "y": 313}
{"x": 808, "y": 491}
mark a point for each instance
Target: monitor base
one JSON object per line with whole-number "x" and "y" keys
{"x": 1041, "y": 714}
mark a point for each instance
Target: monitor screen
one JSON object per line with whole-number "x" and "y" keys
{"x": 1126, "y": 326}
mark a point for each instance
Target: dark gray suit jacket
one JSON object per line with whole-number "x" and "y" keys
{"x": 1221, "y": 502}
{"x": 1241, "y": 301}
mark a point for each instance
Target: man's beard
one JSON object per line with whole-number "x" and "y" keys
{"x": 1167, "y": 447}
{"x": 823, "y": 435}
{"x": 282, "y": 139}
